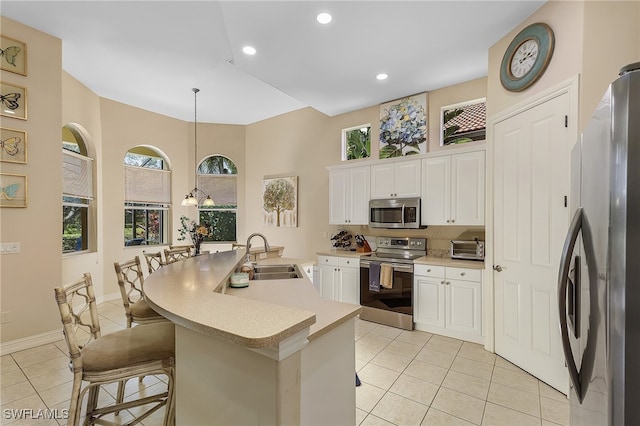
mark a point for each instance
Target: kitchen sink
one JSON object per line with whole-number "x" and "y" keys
{"x": 276, "y": 272}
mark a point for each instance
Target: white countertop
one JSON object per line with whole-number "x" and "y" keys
{"x": 189, "y": 293}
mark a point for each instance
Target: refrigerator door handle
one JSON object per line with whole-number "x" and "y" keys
{"x": 565, "y": 263}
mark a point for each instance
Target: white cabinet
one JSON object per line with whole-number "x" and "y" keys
{"x": 395, "y": 179}
{"x": 339, "y": 278}
{"x": 448, "y": 301}
{"x": 349, "y": 196}
{"x": 453, "y": 189}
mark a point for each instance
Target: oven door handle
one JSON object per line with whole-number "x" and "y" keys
{"x": 402, "y": 215}
{"x": 396, "y": 266}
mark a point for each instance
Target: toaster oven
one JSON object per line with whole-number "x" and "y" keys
{"x": 469, "y": 250}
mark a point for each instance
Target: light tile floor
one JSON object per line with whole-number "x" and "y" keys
{"x": 418, "y": 378}
{"x": 408, "y": 378}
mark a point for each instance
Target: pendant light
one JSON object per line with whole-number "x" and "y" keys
{"x": 191, "y": 199}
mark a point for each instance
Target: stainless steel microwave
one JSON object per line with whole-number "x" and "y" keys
{"x": 395, "y": 213}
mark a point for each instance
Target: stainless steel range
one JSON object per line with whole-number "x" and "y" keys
{"x": 386, "y": 281}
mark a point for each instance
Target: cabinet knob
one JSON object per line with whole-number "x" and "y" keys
{"x": 448, "y": 221}
{"x": 442, "y": 282}
{"x": 429, "y": 270}
{"x": 453, "y": 221}
{"x": 447, "y": 283}
{"x": 462, "y": 274}
{"x": 348, "y": 262}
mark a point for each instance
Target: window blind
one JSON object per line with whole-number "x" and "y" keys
{"x": 77, "y": 175}
{"x": 222, "y": 188}
{"x": 144, "y": 185}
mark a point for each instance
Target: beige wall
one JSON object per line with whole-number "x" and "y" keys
{"x": 27, "y": 279}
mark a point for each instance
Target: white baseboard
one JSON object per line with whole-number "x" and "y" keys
{"x": 31, "y": 341}
{"x": 47, "y": 337}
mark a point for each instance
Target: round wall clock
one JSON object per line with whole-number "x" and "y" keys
{"x": 527, "y": 57}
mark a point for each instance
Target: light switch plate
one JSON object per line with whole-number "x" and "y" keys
{"x": 9, "y": 248}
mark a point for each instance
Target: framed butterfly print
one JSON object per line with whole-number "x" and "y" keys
{"x": 13, "y": 145}
{"x": 13, "y": 101}
{"x": 13, "y": 55}
{"x": 13, "y": 190}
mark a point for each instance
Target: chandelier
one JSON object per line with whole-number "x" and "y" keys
{"x": 196, "y": 197}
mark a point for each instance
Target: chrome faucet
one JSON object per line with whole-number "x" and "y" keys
{"x": 256, "y": 234}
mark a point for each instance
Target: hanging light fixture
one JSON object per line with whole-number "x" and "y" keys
{"x": 191, "y": 199}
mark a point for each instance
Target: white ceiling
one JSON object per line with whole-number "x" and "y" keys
{"x": 150, "y": 54}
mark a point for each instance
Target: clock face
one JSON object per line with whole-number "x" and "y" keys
{"x": 524, "y": 58}
{"x": 527, "y": 57}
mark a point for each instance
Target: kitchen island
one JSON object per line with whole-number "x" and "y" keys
{"x": 271, "y": 353}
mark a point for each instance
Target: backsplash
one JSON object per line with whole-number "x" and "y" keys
{"x": 438, "y": 237}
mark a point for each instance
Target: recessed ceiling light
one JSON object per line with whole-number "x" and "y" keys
{"x": 249, "y": 50}
{"x": 382, "y": 76}
{"x": 324, "y": 18}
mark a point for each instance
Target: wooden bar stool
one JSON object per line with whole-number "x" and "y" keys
{"x": 115, "y": 357}
{"x": 177, "y": 253}
{"x": 131, "y": 282}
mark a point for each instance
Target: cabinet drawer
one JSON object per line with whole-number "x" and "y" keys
{"x": 348, "y": 262}
{"x": 429, "y": 271}
{"x": 327, "y": 260}
{"x": 464, "y": 274}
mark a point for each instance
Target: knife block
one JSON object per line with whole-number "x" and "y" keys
{"x": 366, "y": 248}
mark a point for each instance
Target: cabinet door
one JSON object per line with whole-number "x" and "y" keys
{"x": 349, "y": 286}
{"x": 436, "y": 194}
{"x": 429, "y": 300}
{"x": 382, "y": 180}
{"x": 407, "y": 179}
{"x": 338, "y": 180}
{"x": 328, "y": 278}
{"x": 468, "y": 188}
{"x": 463, "y": 306}
{"x": 358, "y": 196}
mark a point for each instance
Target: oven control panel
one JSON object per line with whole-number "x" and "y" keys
{"x": 402, "y": 243}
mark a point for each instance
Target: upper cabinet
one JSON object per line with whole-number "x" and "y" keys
{"x": 393, "y": 179}
{"x": 349, "y": 195}
{"x": 453, "y": 189}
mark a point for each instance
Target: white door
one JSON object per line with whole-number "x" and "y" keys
{"x": 467, "y": 188}
{"x": 349, "y": 285}
{"x": 358, "y": 196}
{"x": 531, "y": 180}
{"x": 338, "y": 180}
{"x": 382, "y": 181}
{"x": 463, "y": 306}
{"x": 407, "y": 179}
{"x": 328, "y": 278}
{"x": 436, "y": 190}
{"x": 429, "y": 304}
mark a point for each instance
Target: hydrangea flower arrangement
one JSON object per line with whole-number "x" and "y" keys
{"x": 403, "y": 129}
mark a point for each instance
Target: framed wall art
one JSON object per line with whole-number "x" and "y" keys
{"x": 463, "y": 122}
{"x": 280, "y": 201}
{"x": 13, "y": 190}
{"x": 403, "y": 126}
{"x": 13, "y": 145}
{"x": 13, "y": 55}
{"x": 13, "y": 101}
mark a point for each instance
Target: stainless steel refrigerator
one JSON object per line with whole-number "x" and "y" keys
{"x": 599, "y": 278}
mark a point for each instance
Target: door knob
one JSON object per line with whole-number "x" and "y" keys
{"x": 497, "y": 268}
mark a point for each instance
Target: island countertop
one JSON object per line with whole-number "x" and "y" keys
{"x": 191, "y": 293}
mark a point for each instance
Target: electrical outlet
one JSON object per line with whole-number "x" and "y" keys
{"x": 6, "y": 317}
{"x": 9, "y": 248}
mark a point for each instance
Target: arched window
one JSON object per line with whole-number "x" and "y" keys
{"x": 217, "y": 176}
{"x": 147, "y": 197}
{"x": 77, "y": 190}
